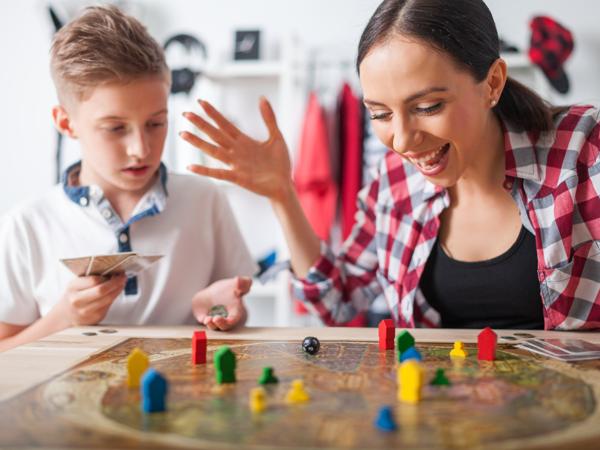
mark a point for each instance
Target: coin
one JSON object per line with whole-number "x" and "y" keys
{"x": 217, "y": 310}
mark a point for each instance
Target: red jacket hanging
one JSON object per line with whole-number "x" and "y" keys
{"x": 350, "y": 128}
{"x": 312, "y": 172}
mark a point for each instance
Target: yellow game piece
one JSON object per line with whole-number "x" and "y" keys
{"x": 410, "y": 378}
{"x": 458, "y": 351}
{"x": 297, "y": 394}
{"x": 137, "y": 363}
{"x": 258, "y": 400}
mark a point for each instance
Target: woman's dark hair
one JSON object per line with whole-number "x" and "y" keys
{"x": 465, "y": 30}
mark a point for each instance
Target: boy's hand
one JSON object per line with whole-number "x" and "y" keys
{"x": 228, "y": 293}
{"x": 262, "y": 167}
{"x": 87, "y": 299}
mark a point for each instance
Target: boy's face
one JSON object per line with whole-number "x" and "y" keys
{"x": 122, "y": 130}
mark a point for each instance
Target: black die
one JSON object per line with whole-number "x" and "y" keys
{"x": 311, "y": 345}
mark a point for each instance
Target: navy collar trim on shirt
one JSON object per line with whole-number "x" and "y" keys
{"x": 77, "y": 194}
{"x": 81, "y": 194}
{"x": 162, "y": 174}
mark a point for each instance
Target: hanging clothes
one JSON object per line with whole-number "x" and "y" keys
{"x": 313, "y": 179}
{"x": 351, "y": 151}
{"x": 350, "y": 136}
{"x": 312, "y": 172}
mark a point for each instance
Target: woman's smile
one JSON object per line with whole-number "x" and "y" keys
{"x": 430, "y": 162}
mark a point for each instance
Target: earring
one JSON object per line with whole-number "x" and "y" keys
{"x": 494, "y": 103}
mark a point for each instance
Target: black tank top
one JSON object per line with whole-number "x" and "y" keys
{"x": 502, "y": 292}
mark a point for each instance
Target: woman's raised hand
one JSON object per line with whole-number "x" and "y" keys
{"x": 262, "y": 167}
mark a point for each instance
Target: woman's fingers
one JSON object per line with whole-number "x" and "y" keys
{"x": 269, "y": 117}
{"x": 206, "y": 147}
{"x": 211, "y": 131}
{"x": 219, "y": 119}
{"x": 219, "y": 174}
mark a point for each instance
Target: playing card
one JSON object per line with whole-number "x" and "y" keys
{"x": 572, "y": 346}
{"x": 79, "y": 266}
{"x": 547, "y": 348}
{"x": 105, "y": 265}
{"x": 136, "y": 263}
{"x": 562, "y": 357}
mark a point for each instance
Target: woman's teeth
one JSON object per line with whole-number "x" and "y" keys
{"x": 431, "y": 158}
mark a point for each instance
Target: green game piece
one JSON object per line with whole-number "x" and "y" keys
{"x": 217, "y": 310}
{"x": 440, "y": 379}
{"x": 267, "y": 376}
{"x": 224, "y": 365}
{"x": 404, "y": 341}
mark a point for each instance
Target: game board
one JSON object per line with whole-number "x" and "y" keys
{"x": 519, "y": 401}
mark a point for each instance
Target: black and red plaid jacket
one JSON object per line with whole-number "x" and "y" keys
{"x": 556, "y": 176}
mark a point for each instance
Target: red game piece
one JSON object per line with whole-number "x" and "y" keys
{"x": 387, "y": 333}
{"x": 486, "y": 345}
{"x": 199, "y": 347}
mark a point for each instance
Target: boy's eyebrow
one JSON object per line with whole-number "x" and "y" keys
{"x": 410, "y": 98}
{"x": 157, "y": 113}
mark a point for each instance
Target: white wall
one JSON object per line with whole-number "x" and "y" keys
{"x": 28, "y": 139}
{"x": 580, "y": 17}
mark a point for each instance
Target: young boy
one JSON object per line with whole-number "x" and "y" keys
{"x": 113, "y": 84}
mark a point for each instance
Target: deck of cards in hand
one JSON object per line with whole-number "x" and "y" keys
{"x": 129, "y": 263}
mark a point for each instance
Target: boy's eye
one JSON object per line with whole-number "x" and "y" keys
{"x": 116, "y": 129}
{"x": 429, "y": 109}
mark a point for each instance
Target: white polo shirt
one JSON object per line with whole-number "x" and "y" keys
{"x": 189, "y": 221}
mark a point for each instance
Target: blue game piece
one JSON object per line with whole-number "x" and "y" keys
{"x": 385, "y": 419}
{"x": 411, "y": 353}
{"x": 154, "y": 391}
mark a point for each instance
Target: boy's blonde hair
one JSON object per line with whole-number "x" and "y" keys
{"x": 103, "y": 45}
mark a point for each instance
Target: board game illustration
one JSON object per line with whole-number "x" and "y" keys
{"x": 518, "y": 401}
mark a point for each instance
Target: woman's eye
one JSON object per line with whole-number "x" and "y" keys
{"x": 157, "y": 124}
{"x": 429, "y": 109}
{"x": 379, "y": 115}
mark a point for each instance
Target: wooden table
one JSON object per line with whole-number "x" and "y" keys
{"x": 28, "y": 366}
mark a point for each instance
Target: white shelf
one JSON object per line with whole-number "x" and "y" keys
{"x": 516, "y": 60}
{"x": 246, "y": 69}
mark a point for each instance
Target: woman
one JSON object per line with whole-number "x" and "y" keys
{"x": 485, "y": 212}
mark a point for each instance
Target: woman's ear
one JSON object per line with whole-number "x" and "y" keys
{"x": 62, "y": 121}
{"x": 495, "y": 81}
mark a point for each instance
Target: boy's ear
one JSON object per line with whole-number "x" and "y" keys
{"x": 62, "y": 122}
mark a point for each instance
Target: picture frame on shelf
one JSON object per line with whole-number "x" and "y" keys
{"x": 247, "y": 45}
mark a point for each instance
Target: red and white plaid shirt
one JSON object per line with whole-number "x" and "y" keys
{"x": 554, "y": 177}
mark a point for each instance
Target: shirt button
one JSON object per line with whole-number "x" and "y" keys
{"x": 94, "y": 191}
{"x": 123, "y": 238}
{"x": 83, "y": 201}
{"x": 107, "y": 213}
